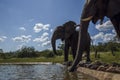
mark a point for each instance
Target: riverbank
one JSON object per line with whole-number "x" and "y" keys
{"x": 57, "y": 59}
{"x": 99, "y": 74}
{"x": 106, "y": 57}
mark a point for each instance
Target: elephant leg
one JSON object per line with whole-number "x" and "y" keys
{"x": 77, "y": 59}
{"x": 66, "y": 49}
{"x": 88, "y": 56}
{"x": 73, "y": 53}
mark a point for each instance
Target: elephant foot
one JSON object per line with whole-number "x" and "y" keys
{"x": 71, "y": 69}
{"x": 68, "y": 63}
{"x": 88, "y": 61}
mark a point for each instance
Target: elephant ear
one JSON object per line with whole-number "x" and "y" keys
{"x": 113, "y": 8}
{"x": 69, "y": 29}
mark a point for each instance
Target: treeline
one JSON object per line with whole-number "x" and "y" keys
{"x": 30, "y": 52}
{"x": 27, "y": 52}
{"x": 106, "y": 47}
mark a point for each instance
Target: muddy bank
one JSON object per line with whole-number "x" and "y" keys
{"x": 100, "y": 70}
{"x": 99, "y": 74}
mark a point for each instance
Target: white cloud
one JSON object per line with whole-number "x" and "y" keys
{"x": 22, "y": 38}
{"x": 105, "y": 26}
{"x": 2, "y": 38}
{"x": 20, "y": 46}
{"x": 43, "y": 40}
{"x": 108, "y": 37}
{"x": 22, "y": 28}
{"x": 47, "y": 43}
{"x": 40, "y": 39}
{"x": 104, "y": 37}
{"x": 44, "y": 37}
{"x": 98, "y": 36}
{"x": 45, "y": 34}
{"x": 39, "y": 26}
{"x": 46, "y": 27}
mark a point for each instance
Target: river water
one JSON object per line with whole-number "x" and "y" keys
{"x": 39, "y": 72}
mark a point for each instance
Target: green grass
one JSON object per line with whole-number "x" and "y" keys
{"x": 104, "y": 57}
{"x": 107, "y": 57}
{"x": 57, "y": 59}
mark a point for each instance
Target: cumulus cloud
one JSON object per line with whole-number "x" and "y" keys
{"x": 22, "y": 28}
{"x": 2, "y": 38}
{"x": 47, "y": 43}
{"x": 22, "y": 38}
{"x": 20, "y": 46}
{"x": 108, "y": 37}
{"x": 43, "y": 40}
{"x": 104, "y": 37}
{"x": 40, "y": 39}
{"x": 39, "y": 26}
{"x": 45, "y": 34}
{"x": 44, "y": 37}
{"x": 98, "y": 36}
{"x": 105, "y": 26}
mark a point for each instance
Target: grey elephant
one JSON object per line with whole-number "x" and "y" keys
{"x": 93, "y": 11}
{"x": 68, "y": 33}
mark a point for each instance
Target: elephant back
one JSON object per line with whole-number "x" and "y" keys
{"x": 69, "y": 28}
{"x": 113, "y": 8}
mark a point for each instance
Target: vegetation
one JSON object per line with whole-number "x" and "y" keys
{"x": 29, "y": 54}
{"x": 107, "y": 57}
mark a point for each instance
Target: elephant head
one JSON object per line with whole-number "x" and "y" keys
{"x": 98, "y": 9}
{"x": 57, "y": 34}
{"x": 92, "y": 11}
{"x": 62, "y": 32}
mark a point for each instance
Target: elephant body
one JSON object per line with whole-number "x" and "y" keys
{"x": 68, "y": 33}
{"x": 93, "y": 11}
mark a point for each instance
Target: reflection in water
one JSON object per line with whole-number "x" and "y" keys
{"x": 38, "y": 72}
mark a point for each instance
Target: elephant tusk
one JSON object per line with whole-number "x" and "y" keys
{"x": 87, "y": 19}
{"x": 88, "y": 1}
{"x": 76, "y": 25}
{"x": 77, "y": 29}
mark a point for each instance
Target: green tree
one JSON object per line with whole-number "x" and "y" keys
{"x": 46, "y": 53}
{"x": 2, "y": 55}
{"x": 26, "y": 52}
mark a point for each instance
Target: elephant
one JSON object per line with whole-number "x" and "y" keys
{"x": 93, "y": 11}
{"x": 68, "y": 33}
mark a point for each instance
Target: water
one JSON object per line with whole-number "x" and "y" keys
{"x": 39, "y": 72}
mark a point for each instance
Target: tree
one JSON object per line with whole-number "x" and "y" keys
{"x": 26, "y": 52}
{"x": 2, "y": 55}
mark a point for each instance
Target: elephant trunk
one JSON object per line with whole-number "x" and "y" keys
{"x": 82, "y": 39}
{"x": 53, "y": 41}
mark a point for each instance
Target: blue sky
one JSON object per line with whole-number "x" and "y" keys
{"x": 31, "y": 22}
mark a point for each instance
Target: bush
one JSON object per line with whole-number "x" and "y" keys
{"x": 46, "y": 53}
{"x": 26, "y": 52}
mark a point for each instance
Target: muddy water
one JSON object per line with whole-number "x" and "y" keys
{"x": 39, "y": 72}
